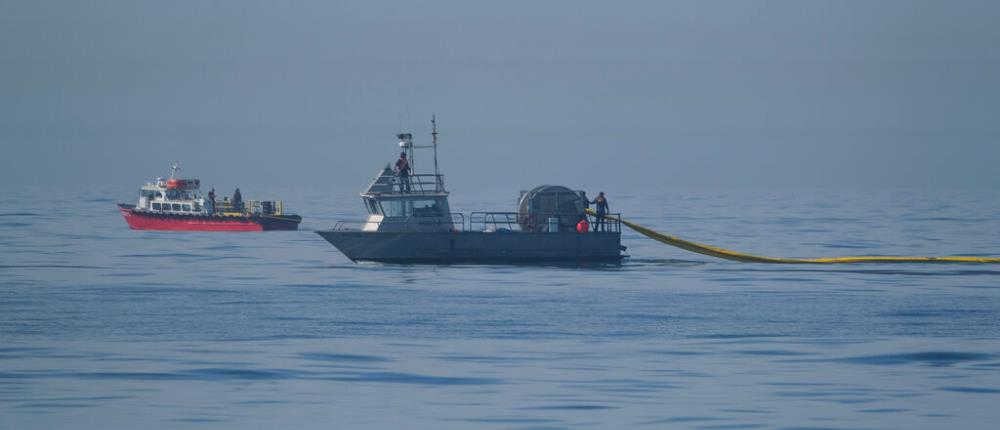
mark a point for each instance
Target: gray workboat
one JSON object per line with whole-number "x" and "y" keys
{"x": 409, "y": 221}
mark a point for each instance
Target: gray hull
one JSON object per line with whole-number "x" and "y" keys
{"x": 476, "y": 247}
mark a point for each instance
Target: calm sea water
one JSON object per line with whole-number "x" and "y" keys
{"x": 102, "y": 327}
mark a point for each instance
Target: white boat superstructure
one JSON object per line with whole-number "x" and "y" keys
{"x": 172, "y": 195}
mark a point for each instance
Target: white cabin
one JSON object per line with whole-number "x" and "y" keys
{"x": 423, "y": 208}
{"x": 172, "y": 196}
{"x": 179, "y": 196}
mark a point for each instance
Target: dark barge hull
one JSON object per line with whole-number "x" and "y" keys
{"x": 476, "y": 247}
{"x": 144, "y": 220}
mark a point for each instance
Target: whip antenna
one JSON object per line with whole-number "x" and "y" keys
{"x": 434, "y": 139}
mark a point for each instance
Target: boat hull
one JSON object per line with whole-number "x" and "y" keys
{"x": 476, "y": 247}
{"x": 142, "y": 220}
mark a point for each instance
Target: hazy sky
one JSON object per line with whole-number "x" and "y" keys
{"x": 589, "y": 94}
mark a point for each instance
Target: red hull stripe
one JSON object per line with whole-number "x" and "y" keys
{"x": 141, "y": 221}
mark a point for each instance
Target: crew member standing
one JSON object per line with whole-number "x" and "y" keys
{"x": 210, "y": 204}
{"x": 403, "y": 173}
{"x": 601, "y": 203}
{"x": 238, "y": 200}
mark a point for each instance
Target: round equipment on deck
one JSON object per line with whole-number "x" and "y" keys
{"x": 550, "y": 201}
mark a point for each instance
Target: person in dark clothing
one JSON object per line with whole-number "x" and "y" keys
{"x": 210, "y": 203}
{"x": 403, "y": 173}
{"x": 602, "y": 209}
{"x": 238, "y": 200}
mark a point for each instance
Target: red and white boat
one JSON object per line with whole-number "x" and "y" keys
{"x": 177, "y": 204}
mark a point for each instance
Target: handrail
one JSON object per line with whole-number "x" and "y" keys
{"x": 247, "y": 207}
{"x": 435, "y": 220}
{"x": 481, "y": 222}
{"x": 494, "y": 221}
{"x": 348, "y": 225}
{"x": 418, "y": 184}
{"x": 536, "y": 222}
{"x": 454, "y": 220}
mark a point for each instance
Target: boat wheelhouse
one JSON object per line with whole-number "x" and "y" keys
{"x": 401, "y": 204}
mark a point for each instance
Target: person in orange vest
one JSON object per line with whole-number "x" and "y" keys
{"x": 583, "y": 226}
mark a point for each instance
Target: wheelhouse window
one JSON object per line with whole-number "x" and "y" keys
{"x": 415, "y": 208}
{"x": 373, "y": 207}
{"x": 394, "y": 207}
{"x": 176, "y": 206}
{"x": 187, "y": 208}
{"x": 426, "y": 208}
{"x": 156, "y": 206}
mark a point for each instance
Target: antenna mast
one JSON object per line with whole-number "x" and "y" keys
{"x": 434, "y": 139}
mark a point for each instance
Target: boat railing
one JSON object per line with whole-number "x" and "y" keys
{"x": 356, "y": 225}
{"x": 536, "y": 222}
{"x": 418, "y": 184}
{"x": 452, "y": 221}
{"x": 482, "y": 222}
{"x": 612, "y": 223}
{"x": 263, "y": 207}
{"x": 448, "y": 222}
{"x": 494, "y": 221}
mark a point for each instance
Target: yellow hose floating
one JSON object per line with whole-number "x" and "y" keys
{"x": 713, "y": 251}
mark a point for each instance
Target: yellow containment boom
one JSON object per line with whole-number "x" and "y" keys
{"x": 750, "y": 258}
